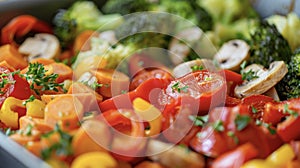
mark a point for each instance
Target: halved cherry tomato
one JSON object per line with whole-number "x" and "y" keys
{"x": 208, "y": 88}
{"x": 232, "y": 80}
{"x": 236, "y": 157}
{"x": 289, "y": 129}
{"x": 256, "y": 104}
{"x": 127, "y": 130}
{"x": 231, "y": 101}
{"x": 20, "y": 26}
{"x": 15, "y": 86}
{"x": 148, "y": 73}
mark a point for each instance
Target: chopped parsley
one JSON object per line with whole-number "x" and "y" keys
{"x": 30, "y": 99}
{"x": 197, "y": 68}
{"x": 178, "y": 88}
{"x": 93, "y": 85}
{"x": 199, "y": 120}
{"x": 4, "y": 79}
{"x": 253, "y": 109}
{"x": 241, "y": 121}
{"x": 266, "y": 125}
{"x": 233, "y": 136}
{"x": 39, "y": 80}
{"x": 218, "y": 126}
{"x": 249, "y": 75}
{"x": 289, "y": 111}
{"x": 61, "y": 148}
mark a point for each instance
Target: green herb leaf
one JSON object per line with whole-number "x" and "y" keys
{"x": 233, "y": 136}
{"x": 197, "y": 68}
{"x": 36, "y": 76}
{"x": 242, "y": 121}
{"x": 199, "y": 120}
{"x": 178, "y": 88}
{"x": 30, "y": 99}
{"x": 253, "y": 109}
{"x": 289, "y": 111}
{"x": 62, "y": 147}
{"x": 218, "y": 126}
{"x": 249, "y": 75}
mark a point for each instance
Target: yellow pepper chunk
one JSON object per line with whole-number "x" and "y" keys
{"x": 94, "y": 160}
{"x": 7, "y": 114}
{"x": 258, "y": 163}
{"x": 150, "y": 114}
{"x": 282, "y": 155}
{"x": 36, "y": 108}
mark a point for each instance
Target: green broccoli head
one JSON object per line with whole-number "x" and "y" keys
{"x": 289, "y": 86}
{"x": 187, "y": 9}
{"x": 125, "y": 6}
{"x": 82, "y": 15}
{"x": 268, "y": 45}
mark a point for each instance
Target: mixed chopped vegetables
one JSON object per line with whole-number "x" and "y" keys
{"x": 212, "y": 85}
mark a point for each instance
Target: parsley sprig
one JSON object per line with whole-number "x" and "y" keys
{"x": 4, "y": 79}
{"x": 199, "y": 120}
{"x": 249, "y": 75}
{"x": 39, "y": 80}
{"x": 289, "y": 111}
{"x": 177, "y": 87}
{"x": 242, "y": 121}
{"x": 62, "y": 147}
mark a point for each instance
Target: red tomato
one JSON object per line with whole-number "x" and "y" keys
{"x": 16, "y": 87}
{"x": 231, "y": 101}
{"x": 236, "y": 157}
{"x": 289, "y": 129}
{"x": 232, "y": 80}
{"x": 149, "y": 90}
{"x": 148, "y": 73}
{"x": 20, "y": 26}
{"x": 256, "y": 104}
{"x": 207, "y": 87}
{"x": 122, "y": 125}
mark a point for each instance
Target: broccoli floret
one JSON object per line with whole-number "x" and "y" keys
{"x": 227, "y": 11}
{"x": 289, "y": 27}
{"x": 289, "y": 86}
{"x": 82, "y": 15}
{"x": 125, "y": 6}
{"x": 268, "y": 45}
{"x": 187, "y": 9}
{"x": 145, "y": 30}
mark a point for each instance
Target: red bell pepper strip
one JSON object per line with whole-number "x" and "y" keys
{"x": 148, "y": 90}
{"x": 14, "y": 86}
{"x": 131, "y": 126}
{"x": 20, "y": 26}
{"x": 236, "y": 157}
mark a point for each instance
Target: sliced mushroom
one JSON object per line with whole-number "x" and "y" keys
{"x": 265, "y": 81}
{"x": 87, "y": 78}
{"x": 179, "y": 48}
{"x": 173, "y": 156}
{"x": 40, "y": 46}
{"x": 186, "y": 67}
{"x": 232, "y": 54}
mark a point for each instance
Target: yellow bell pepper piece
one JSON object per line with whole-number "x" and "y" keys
{"x": 282, "y": 155}
{"x": 94, "y": 160}
{"x": 150, "y": 114}
{"x": 7, "y": 114}
{"x": 258, "y": 163}
{"x": 36, "y": 108}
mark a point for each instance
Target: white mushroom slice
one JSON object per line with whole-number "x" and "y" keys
{"x": 265, "y": 81}
{"x": 232, "y": 54}
{"x": 186, "y": 67}
{"x": 272, "y": 93}
{"x": 178, "y": 49}
{"x": 173, "y": 156}
{"x": 40, "y": 46}
{"x": 259, "y": 69}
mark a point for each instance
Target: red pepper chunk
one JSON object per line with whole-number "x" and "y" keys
{"x": 20, "y": 26}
